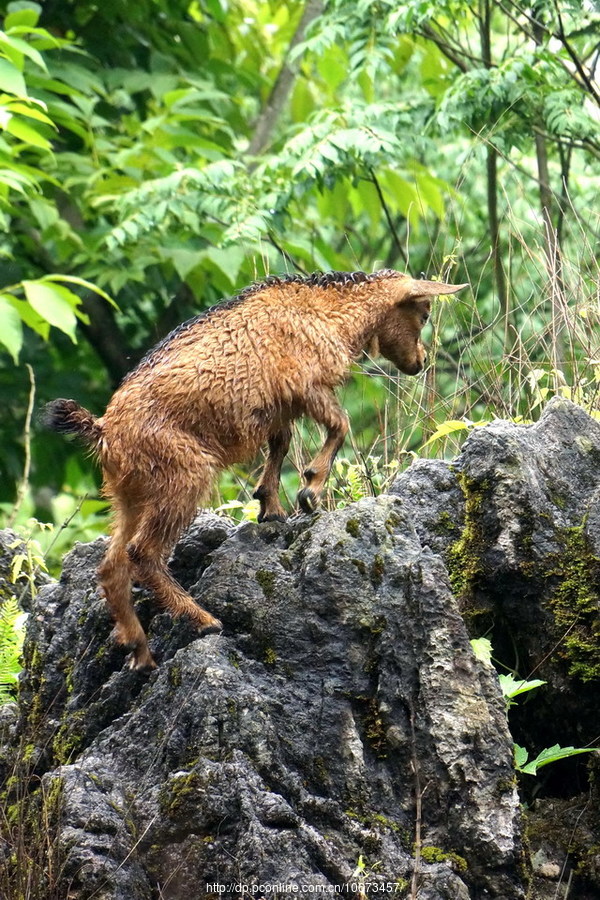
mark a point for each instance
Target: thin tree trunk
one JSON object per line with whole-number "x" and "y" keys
{"x": 552, "y": 250}
{"x": 553, "y": 257}
{"x": 280, "y": 91}
{"x": 485, "y": 34}
{"x": 493, "y": 218}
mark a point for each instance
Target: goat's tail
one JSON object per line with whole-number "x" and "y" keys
{"x": 68, "y": 417}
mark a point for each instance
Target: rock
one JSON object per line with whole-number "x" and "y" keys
{"x": 544, "y": 868}
{"x": 431, "y": 495}
{"x": 342, "y": 711}
{"x": 291, "y": 747}
{"x": 527, "y": 567}
{"x": 563, "y": 837}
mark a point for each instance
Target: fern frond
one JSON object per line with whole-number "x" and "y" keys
{"x": 12, "y": 630}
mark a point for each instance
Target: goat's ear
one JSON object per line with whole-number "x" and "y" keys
{"x": 420, "y": 288}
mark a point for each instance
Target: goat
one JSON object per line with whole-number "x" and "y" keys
{"x": 211, "y": 393}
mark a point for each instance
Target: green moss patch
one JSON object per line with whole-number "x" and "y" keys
{"x": 575, "y": 604}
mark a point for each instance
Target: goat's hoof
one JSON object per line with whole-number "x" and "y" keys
{"x": 214, "y": 628}
{"x": 307, "y": 500}
{"x": 141, "y": 661}
{"x": 272, "y": 517}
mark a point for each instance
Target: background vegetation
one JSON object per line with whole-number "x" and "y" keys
{"x": 169, "y": 152}
{"x": 158, "y": 155}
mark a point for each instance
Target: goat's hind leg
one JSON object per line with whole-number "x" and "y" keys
{"x": 267, "y": 490}
{"x": 115, "y": 576}
{"x": 158, "y": 529}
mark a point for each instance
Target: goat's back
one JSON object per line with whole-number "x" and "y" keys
{"x": 237, "y": 370}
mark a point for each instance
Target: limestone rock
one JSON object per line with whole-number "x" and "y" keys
{"x": 342, "y": 710}
{"x": 296, "y": 744}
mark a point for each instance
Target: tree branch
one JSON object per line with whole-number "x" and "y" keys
{"x": 587, "y": 81}
{"x": 389, "y": 219}
{"x": 584, "y": 82}
{"x": 429, "y": 33}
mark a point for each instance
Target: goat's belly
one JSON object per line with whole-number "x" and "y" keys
{"x": 231, "y": 448}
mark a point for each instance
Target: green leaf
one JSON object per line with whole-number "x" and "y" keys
{"x": 482, "y": 648}
{"x": 302, "y": 102}
{"x": 521, "y": 756}
{"x": 31, "y": 111}
{"x": 229, "y": 260}
{"x": 54, "y": 303}
{"x": 430, "y": 194}
{"x": 12, "y": 621}
{"x": 332, "y": 66}
{"x": 400, "y": 194}
{"x": 217, "y": 9}
{"x": 549, "y": 755}
{"x": 449, "y": 427}
{"x": 22, "y": 15}
{"x": 14, "y": 180}
{"x": 27, "y": 133}
{"x": 11, "y": 80}
{"x": 29, "y": 316}
{"x": 370, "y": 201}
{"x": 183, "y": 259}
{"x": 15, "y": 47}
{"x": 511, "y": 687}
{"x": 81, "y": 282}
{"x": 11, "y": 327}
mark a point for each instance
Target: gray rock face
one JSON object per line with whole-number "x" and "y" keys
{"x": 342, "y": 714}
{"x": 297, "y": 744}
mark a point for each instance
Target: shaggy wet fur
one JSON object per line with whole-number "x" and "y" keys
{"x": 212, "y": 393}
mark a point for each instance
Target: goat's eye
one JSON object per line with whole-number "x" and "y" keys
{"x": 425, "y": 318}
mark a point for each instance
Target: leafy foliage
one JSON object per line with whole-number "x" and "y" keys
{"x": 512, "y": 687}
{"x": 549, "y": 755}
{"x": 12, "y": 630}
{"x": 125, "y": 164}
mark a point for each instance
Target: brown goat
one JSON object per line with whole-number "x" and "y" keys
{"x": 215, "y": 390}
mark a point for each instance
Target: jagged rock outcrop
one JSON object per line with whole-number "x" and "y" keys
{"x": 342, "y": 715}
{"x": 517, "y": 518}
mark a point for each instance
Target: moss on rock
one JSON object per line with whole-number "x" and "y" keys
{"x": 575, "y": 604}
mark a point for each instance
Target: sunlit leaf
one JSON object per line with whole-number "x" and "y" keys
{"x": 11, "y": 79}
{"x": 54, "y": 303}
{"x": 482, "y": 648}
{"x": 512, "y": 687}
{"x": 11, "y": 328}
{"x": 27, "y": 133}
{"x": 14, "y": 47}
{"x": 547, "y": 756}
{"x": 449, "y": 427}
{"x": 33, "y": 112}
{"x": 29, "y": 316}
{"x": 26, "y": 16}
{"x": 81, "y": 282}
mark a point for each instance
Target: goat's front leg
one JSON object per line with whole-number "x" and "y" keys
{"x": 323, "y": 407}
{"x": 267, "y": 489}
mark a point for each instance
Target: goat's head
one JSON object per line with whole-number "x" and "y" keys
{"x": 398, "y": 337}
